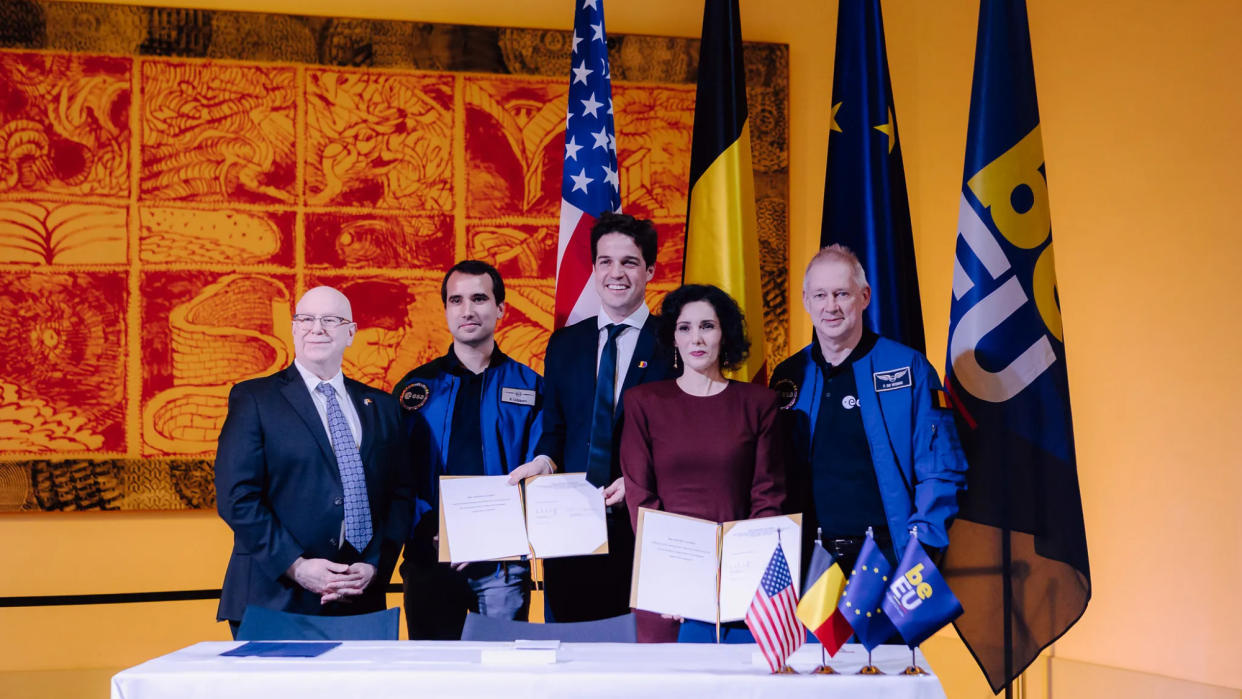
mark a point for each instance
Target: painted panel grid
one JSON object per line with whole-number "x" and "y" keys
{"x": 169, "y": 184}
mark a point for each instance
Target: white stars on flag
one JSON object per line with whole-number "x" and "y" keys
{"x": 581, "y": 73}
{"x": 590, "y": 107}
{"x": 581, "y": 180}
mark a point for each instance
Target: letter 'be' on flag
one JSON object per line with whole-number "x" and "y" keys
{"x": 919, "y": 601}
{"x": 590, "y": 184}
{"x": 1017, "y": 555}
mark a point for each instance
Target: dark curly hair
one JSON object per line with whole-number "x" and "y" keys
{"x": 642, "y": 231}
{"x": 734, "y": 342}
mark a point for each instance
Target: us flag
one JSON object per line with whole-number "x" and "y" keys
{"x": 772, "y": 617}
{"x": 590, "y": 184}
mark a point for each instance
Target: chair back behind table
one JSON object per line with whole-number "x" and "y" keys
{"x": 617, "y": 629}
{"x": 262, "y": 624}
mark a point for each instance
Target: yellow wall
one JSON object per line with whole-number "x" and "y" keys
{"x": 1140, "y": 103}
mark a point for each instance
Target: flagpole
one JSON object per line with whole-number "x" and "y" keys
{"x": 824, "y": 668}
{"x": 914, "y": 668}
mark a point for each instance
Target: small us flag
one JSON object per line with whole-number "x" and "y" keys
{"x": 772, "y": 617}
{"x": 590, "y": 184}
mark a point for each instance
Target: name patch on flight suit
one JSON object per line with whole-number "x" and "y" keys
{"x": 518, "y": 396}
{"x": 415, "y": 395}
{"x": 787, "y": 391}
{"x": 892, "y": 379}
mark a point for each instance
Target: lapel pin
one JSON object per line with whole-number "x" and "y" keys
{"x": 366, "y": 401}
{"x": 642, "y": 365}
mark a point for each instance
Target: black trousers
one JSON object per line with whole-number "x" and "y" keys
{"x": 586, "y": 588}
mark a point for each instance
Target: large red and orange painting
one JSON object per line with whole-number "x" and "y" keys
{"x": 161, "y": 209}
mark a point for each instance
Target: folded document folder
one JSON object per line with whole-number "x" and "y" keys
{"x": 282, "y": 649}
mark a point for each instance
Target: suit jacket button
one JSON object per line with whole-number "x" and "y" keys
{"x": 337, "y": 502}
{"x": 332, "y": 542}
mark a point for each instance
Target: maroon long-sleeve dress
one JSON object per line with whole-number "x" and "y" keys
{"x": 711, "y": 457}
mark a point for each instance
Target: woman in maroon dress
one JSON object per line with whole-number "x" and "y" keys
{"x": 700, "y": 445}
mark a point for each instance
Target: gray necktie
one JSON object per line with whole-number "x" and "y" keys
{"x": 353, "y": 478}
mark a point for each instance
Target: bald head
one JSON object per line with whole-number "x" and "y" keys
{"x": 316, "y": 346}
{"x": 325, "y": 297}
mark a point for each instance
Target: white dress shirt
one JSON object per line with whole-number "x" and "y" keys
{"x": 342, "y": 398}
{"x": 627, "y": 340}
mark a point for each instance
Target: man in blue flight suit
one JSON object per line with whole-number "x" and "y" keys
{"x": 472, "y": 412}
{"x": 873, "y": 441}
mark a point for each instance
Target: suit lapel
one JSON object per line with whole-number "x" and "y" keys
{"x": 295, "y": 392}
{"x": 643, "y": 352}
{"x": 586, "y": 360}
{"x": 365, "y": 408}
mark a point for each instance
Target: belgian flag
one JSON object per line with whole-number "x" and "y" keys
{"x": 722, "y": 237}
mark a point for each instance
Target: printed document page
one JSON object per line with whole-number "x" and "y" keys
{"x": 565, "y": 516}
{"x": 481, "y": 519}
{"x": 745, "y": 550}
{"x": 675, "y": 565}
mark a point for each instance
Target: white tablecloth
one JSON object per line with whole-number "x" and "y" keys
{"x": 377, "y": 670}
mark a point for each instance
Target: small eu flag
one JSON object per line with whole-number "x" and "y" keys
{"x": 863, "y": 593}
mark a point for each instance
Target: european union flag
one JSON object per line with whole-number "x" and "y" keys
{"x": 864, "y": 592}
{"x": 919, "y": 601}
{"x": 1017, "y": 553}
{"x": 865, "y": 203}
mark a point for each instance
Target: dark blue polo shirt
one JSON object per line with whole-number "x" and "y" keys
{"x": 465, "y": 453}
{"x": 845, "y": 489}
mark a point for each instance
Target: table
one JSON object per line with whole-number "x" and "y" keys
{"x": 380, "y": 669}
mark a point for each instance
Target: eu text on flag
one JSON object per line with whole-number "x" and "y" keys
{"x": 590, "y": 184}
{"x": 1017, "y": 555}
{"x": 865, "y": 202}
{"x": 919, "y": 601}
{"x": 817, "y": 610}
{"x": 772, "y": 617}
{"x": 864, "y": 591}
{"x": 722, "y": 233}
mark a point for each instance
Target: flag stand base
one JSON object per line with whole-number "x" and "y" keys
{"x": 824, "y": 670}
{"x": 785, "y": 670}
{"x": 914, "y": 670}
{"x": 870, "y": 670}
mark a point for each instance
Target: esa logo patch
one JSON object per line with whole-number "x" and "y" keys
{"x": 849, "y": 402}
{"x": 787, "y": 391}
{"x": 415, "y": 395}
{"x": 892, "y": 379}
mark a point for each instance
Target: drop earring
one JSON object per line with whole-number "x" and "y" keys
{"x": 676, "y": 357}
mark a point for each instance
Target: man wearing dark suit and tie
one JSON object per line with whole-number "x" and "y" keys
{"x": 312, "y": 477}
{"x": 587, "y": 367}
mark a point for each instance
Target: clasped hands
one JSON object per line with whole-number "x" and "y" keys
{"x": 613, "y": 493}
{"x": 333, "y": 582}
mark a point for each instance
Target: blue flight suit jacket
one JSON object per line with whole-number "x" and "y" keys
{"x": 510, "y": 415}
{"x": 919, "y": 463}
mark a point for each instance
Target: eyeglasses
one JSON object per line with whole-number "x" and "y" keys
{"x": 302, "y": 321}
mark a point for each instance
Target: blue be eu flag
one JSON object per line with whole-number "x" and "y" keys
{"x": 864, "y": 591}
{"x": 1017, "y": 554}
{"x": 865, "y": 204}
{"x": 919, "y": 601}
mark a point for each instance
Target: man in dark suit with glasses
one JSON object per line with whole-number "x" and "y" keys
{"x": 312, "y": 477}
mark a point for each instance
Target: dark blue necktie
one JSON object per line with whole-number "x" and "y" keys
{"x": 599, "y": 453}
{"x": 353, "y": 477}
